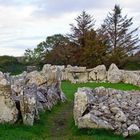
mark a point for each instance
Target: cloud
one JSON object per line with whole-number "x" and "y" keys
{"x": 25, "y": 23}
{"x": 57, "y": 8}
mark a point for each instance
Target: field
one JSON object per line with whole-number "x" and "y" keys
{"x": 58, "y": 124}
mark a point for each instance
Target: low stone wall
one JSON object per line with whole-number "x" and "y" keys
{"x": 108, "y": 108}
{"x": 29, "y": 93}
{"x": 113, "y": 75}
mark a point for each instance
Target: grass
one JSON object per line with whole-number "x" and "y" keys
{"x": 69, "y": 89}
{"x": 58, "y": 124}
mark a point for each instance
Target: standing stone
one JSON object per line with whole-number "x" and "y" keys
{"x": 133, "y": 129}
{"x": 98, "y": 73}
{"x": 53, "y": 75}
{"x": 8, "y": 110}
{"x": 130, "y": 77}
{"x": 114, "y": 74}
{"x": 28, "y": 104}
{"x": 83, "y": 97}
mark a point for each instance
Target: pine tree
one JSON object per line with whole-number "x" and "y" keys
{"x": 116, "y": 31}
{"x": 85, "y": 23}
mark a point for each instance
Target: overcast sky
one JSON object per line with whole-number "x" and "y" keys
{"x": 25, "y": 23}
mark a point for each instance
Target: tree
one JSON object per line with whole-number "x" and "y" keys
{"x": 79, "y": 31}
{"x": 85, "y": 23}
{"x": 11, "y": 64}
{"x": 95, "y": 52}
{"x": 38, "y": 55}
{"x": 56, "y": 40}
{"x": 60, "y": 51}
{"x": 35, "y": 56}
{"x": 117, "y": 34}
{"x": 90, "y": 51}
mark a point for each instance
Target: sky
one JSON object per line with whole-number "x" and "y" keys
{"x": 25, "y": 23}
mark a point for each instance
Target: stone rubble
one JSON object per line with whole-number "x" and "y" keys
{"x": 27, "y": 94}
{"x": 108, "y": 108}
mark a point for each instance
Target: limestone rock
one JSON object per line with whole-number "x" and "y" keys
{"x": 114, "y": 74}
{"x": 115, "y": 109}
{"x": 37, "y": 78}
{"x": 8, "y": 110}
{"x": 131, "y": 78}
{"x": 77, "y": 69}
{"x": 28, "y": 104}
{"x": 4, "y": 79}
{"x": 92, "y": 76}
{"x": 54, "y": 76}
{"x": 120, "y": 116}
{"x": 17, "y": 84}
{"x": 76, "y": 74}
{"x": 83, "y": 97}
{"x": 133, "y": 129}
{"x": 98, "y": 73}
{"x": 107, "y": 108}
{"x": 91, "y": 121}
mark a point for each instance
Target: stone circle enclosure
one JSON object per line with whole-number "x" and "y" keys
{"x": 113, "y": 75}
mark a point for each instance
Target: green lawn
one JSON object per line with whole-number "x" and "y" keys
{"x": 58, "y": 123}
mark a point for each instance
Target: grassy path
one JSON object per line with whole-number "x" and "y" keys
{"x": 60, "y": 122}
{"x": 63, "y": 124}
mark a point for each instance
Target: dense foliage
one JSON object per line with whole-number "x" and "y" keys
{"x": 113, "y": 42}
{"x": 11, "y": 64}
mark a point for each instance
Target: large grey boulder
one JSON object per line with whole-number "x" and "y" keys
{"x": 91, "y": 121}
{"x": 98, "y": 73}
{"x": 83, "y": 98}
{"x": 114, "y": 75}
{"x": 76, "y": 74}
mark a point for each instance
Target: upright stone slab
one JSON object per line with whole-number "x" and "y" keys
{"x": 28, "y": 104}
{"x": 114, "y": 74}
{"x": 98, "y": 73}
{"x": 53, "y": 75}
{"x": 8, "y": 110}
